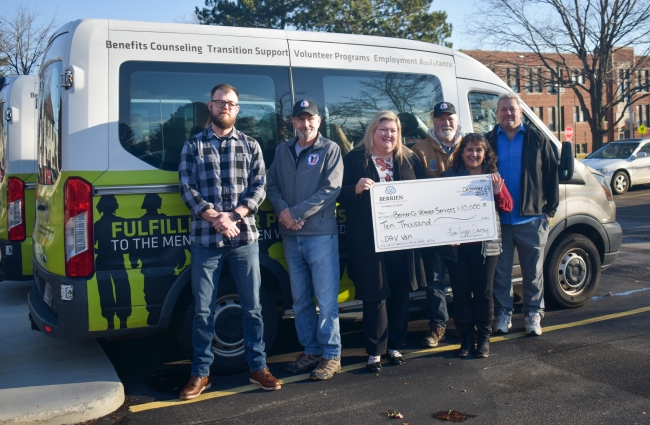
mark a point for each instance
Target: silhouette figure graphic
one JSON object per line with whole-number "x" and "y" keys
{"x": 159, "y": 263}
{"x": 112, "y": 280}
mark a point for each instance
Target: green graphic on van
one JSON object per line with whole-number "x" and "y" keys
{"x": 137, "y": 258}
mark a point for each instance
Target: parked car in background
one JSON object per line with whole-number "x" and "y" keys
{"x": 624, "y": 163}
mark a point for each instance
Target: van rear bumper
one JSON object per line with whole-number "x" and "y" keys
{"x": 11, "y": 263}
{"x": 65, "y": 319}
{"x": 615, "y": 235}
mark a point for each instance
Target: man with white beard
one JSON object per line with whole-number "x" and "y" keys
{"x": 434, "y": 153}
{"x": 304, "y": 182}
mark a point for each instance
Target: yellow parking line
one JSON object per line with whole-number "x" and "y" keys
{"x": 414, "y": 354}
{"x": 633, "y": 196}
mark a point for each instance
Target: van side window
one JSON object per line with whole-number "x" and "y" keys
{"x": 348, "y": 100}
{"x": 164, "y": 104}
{"x": 49, "y": 124}
{"x": 3, "y": 142}
{"x": 484, "y": 111}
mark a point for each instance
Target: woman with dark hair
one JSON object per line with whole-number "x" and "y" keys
{"x": 382, "y": 280}
{"x": 472, "y": 275}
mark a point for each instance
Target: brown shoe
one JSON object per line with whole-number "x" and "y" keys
{"x": 195, "y": 387}
{"x": 264, "y": 379}
{"x": 433, "y": 337}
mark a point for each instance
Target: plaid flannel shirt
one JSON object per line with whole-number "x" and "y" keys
{"x": 222, "y": 174}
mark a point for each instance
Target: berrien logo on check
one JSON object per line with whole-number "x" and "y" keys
{"x": 391, "y": 190}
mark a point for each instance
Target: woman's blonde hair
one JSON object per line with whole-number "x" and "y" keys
{"x": 400, "y": 151}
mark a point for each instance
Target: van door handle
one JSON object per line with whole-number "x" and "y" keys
{"x": 41, "y": 207}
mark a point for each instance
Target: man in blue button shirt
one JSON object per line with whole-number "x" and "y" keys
{"x": 528, "y": 163}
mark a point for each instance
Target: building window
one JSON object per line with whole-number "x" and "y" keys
{"x": 578, "y": 114}
{"x": 562, "y": 118}
{"x": 647, "y": 112}
{"x": 577, "y": 77}
{"x": 529, "y": 80}
{"x": 624, "y": 81}
{"x": 512, "y": 79}
{"x": 642, "y": 80}
{"x": 553, "y": 85}
{"x": 539, "y": 111}
{"x": 538, "y": 81}
{"x": 551, "y": 118}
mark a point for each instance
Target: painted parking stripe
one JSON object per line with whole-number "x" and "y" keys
{"x": 633, "y": 196}
{"x": 356, "y": 366}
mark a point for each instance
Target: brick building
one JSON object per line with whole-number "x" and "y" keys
{"x": 526, "y": 75}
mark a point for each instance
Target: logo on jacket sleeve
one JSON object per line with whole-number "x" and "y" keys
{"x": 312, "y": 158}
{"x": 432, "y": 165}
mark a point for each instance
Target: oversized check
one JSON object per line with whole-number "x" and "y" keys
{"x": 420, "y": 213}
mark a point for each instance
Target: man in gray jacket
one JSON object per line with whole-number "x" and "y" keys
{"x": 303, "y": 184}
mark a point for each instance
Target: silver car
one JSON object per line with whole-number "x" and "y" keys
{"x": 624, "y": 163}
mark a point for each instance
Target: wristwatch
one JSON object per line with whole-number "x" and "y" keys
{"x": 236, "y": 216}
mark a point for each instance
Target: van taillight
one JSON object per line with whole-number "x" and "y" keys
{"x": 79, "y": 255}
{"x": 16, "y": 202}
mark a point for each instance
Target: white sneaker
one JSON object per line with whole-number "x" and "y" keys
{"x": 533, "y": 326}
{"x": 502, "y": 322}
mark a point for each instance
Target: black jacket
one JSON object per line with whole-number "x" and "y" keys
{"x": 366, "y": 267}
{"x": 540, "y": 184}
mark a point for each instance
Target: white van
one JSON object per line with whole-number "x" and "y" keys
{"x": 117, "y": 101}
{"x": 17, "y": 175}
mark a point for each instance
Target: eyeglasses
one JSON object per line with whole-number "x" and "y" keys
{"x": 223, "y": 103}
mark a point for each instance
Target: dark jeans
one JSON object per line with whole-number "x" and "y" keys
{"x": 385, "y": 322}
{"x": 472, "y": 274}
{"x": 245, "y": 271}
{"x": 435, "y": 290}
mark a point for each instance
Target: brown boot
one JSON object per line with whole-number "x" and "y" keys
{"x": 264, "y": 379}
{"x": 433, "y": 337}
{"x": 195, "y": 387}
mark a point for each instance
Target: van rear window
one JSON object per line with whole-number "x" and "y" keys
{"x": 49, "y": 124}
{"x": 349, "y": 99}
{"x": 164, "y": 104}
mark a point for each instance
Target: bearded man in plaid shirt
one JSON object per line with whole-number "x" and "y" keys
{"x": 222, "y": 182}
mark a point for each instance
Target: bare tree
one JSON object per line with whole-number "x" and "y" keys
{"x": 23, "y": 40}
{"x": 592, "y": 38}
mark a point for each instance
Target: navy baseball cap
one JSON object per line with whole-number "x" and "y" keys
{"x": 443, "y": 108}
{"x": 305, "y": 105}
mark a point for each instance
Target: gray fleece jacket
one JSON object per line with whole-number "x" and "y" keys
{"x": 307, "y": 184}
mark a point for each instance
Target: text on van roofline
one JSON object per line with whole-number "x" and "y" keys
{"x": 271, "y": 53}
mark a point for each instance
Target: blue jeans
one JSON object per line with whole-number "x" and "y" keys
{"x": 530, "y": 240}
{"x": 313, "y": 263}
{"x": 435, "y": 290}
{"x": 244, "y": 266}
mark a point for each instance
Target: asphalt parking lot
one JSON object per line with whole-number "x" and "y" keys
{"x": 591, "y": 366}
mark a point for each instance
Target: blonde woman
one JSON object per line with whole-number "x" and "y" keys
{"x": 382, "y": 280}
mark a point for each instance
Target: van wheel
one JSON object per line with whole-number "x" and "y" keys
{"x": 620, "y": 182}
{"x": 572, "y": 271}
{"x": 228, "y": 338}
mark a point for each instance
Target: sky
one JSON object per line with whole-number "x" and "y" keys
{"x": 183, "y": 11}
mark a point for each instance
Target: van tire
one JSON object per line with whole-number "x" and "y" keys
{"x": 227, "y": 342}
{"x": 572, "y": 271}
{"x": 620, "y": 182}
